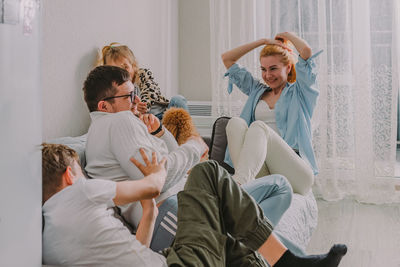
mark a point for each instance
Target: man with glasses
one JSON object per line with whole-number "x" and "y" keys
{"x": 117, "y": 132}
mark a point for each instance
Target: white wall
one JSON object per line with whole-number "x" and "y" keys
{"x": 194, "y": 50}
{"x": 73, "y": 31}
{"x": 21, "y": 135}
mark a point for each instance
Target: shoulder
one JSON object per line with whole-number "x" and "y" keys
{"x": 98, "y": 190}
{"x": 145, "y": 73}
{"x": 126, "y": 115}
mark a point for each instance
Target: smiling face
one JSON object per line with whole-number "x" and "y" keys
{"x": 274, "y": 71}
{"x": 123, "y": 103}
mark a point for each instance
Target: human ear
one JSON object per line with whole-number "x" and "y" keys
{"x": 102, "y": 106}
{"x": 68, "y": 176}
{"x": 288, "y": 68}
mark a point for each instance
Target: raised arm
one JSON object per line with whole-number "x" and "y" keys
{"x": 301, "y": 45}
{"x": 230, "y": 57}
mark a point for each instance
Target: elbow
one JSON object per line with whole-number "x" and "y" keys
{"x": 223, "y": 57}
{"x": 226, "y": 60}
{"x": 306, "y": 53}
{"x": 154, "y": 191}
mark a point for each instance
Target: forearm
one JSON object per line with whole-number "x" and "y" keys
{"x": 180, "y": 161}
{"x": 301, "y": 45}
{"x": 145, "y": 229}
{"x": 131, "y": 191}
{"x": 169, "y": 140}
{"x": 230, "y": 57}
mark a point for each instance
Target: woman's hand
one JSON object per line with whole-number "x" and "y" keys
{"x": 273, "y": 42}
{"x": 283, "y": 36}
{"x": 142, "y": 107}
{"x": 301, "y": 45}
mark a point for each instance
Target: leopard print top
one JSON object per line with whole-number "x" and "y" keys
{"x": 150, "y": 92}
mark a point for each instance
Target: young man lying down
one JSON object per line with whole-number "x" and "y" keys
{"x": 219, "y": 224}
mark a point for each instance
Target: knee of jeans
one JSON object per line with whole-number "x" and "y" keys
{"x": 284, "y": 186}
{"x": 178, "y": 100}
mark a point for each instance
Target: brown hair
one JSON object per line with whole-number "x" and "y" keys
{"x": 286, "y": 58}
{"x": 55, "y": 160}
{"x": 101, "y": 83}
{"x": 115, "y": 51}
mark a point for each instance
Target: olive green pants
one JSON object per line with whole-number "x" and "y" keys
{"x": 219, "y": 224}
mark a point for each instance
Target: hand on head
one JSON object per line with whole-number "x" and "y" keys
{"x": 284, "y": 40}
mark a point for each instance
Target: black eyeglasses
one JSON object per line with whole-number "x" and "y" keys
{"x": 131, "y": 95}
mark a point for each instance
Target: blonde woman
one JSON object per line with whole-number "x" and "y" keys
{"x": 274, "y": 129}
{"x": 151, "y": 98}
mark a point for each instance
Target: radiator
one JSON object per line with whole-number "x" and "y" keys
{"x": 201, "y": 115}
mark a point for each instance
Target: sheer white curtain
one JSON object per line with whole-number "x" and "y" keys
{"x": 354, "y": 124}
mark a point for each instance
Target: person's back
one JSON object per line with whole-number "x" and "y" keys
{"x": 80, "y": 229}
{"x": 102, "y": 161}
{"x": 79, "y": 224}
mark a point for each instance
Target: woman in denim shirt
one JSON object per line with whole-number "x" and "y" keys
{"x": 273, "y": 133}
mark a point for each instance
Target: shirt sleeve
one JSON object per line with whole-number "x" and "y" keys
{"x": 306, "y": 73}
{"x": 306, "y": 81}
{"x": 169, "y": 140}
{"x": 128, "y": 136}
{"x": 100, "y": 191}
{"x": 149, "y": 89}
{"x": 243, "y": 79}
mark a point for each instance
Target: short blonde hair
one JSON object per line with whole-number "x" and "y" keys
{"x": 286, "y": 58}
{"x": 115, "y": 51}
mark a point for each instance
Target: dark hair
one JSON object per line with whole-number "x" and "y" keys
{"x": 101, "y": 83}
{"x": 55, "y": 160}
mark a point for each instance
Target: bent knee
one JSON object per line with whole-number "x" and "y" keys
{"x": 178, "y": 99}
{"x": 201, "y": 172}
{"x": 236, "y": 123}
{"x": 285, "y": 188}
{"x": 261, "y": 125}
{"x": 282, "y": 182}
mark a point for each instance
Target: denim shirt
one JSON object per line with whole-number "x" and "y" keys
{"x": 293, "y": 110}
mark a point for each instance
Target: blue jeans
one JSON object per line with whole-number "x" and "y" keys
{"x": 272, "y": 193}
{"x": 176, "y": 101}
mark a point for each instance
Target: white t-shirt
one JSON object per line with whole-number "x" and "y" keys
{"x": 81, "y": 230}
{"x": 265, "y": 114}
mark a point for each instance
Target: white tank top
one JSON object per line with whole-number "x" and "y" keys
{"x": 265, "y": 114}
